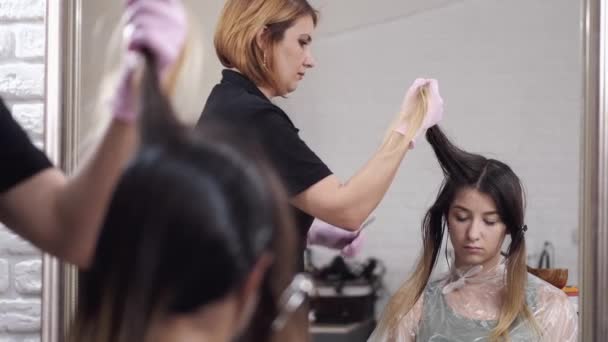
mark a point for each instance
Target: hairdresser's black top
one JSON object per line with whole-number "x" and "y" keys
{"x": 238, "y": 101}
{"x": 19, "y": 158}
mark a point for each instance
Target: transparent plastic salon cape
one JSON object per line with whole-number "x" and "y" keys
{"x": 463, "y": 306}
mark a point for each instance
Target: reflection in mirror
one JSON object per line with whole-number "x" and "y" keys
{"x": 510, "y": 77}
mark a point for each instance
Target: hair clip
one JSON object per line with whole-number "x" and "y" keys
{"x": 524, "y": 228}
{"x": 300, "y": 288}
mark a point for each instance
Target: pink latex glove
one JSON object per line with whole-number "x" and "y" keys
{"x": 159, "y": 26}
{"x": 324, "y": 234}
{"x": 434, "y": 112}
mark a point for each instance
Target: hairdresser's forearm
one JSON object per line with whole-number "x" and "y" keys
{"x": 348, "y": 205}
{"x": 83, "y": 201}
{"x": 61, "y": 215}
{"x": 364, "y": 191}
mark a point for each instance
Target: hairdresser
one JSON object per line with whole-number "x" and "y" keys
{"x": 265, "y": 46}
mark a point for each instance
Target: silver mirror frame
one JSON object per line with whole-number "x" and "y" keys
{"x": 63, "y": 22}
{"x": 593, "y": 249}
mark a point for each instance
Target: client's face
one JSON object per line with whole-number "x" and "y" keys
{"x": 475, "y": 229}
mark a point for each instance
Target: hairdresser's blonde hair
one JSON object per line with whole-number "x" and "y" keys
{"x": 240, "y": 23}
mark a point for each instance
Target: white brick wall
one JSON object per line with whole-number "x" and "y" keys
{"x": 22, "y": 10}
{"x": 510, "y": 73}
{"x": 27, "y": 277}
{"x": 22, "y": 38}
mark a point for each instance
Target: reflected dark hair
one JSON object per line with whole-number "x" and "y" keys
{"x": 494, "y": 178}
{"x": 188, "y": 220}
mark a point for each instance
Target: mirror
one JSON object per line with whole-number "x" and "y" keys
{"x": 510, "y": 74}
{"x": 510, "y": 77}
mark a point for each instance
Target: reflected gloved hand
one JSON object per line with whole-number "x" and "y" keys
{"x": 158, "y": 26}
{"x": 324, "y": 234}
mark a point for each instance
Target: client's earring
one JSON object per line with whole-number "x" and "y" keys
{"x": 264, "y": 62}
